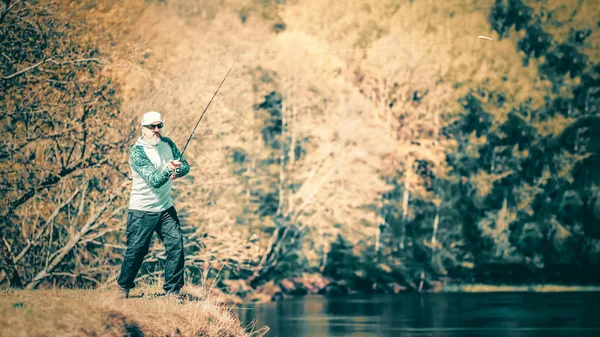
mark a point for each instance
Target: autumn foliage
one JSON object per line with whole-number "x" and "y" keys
{"x": 382, "y": 145}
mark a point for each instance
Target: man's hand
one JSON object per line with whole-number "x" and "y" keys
{"x": 174, "y": 164}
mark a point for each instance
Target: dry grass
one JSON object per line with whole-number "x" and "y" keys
{"x": 60, "y": 312}
{"x": 477, "y": 288}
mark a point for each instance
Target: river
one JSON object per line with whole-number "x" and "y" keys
{"x": 441, "y": 314}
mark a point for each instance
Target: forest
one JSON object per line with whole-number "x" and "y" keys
{"x": 356, "y": 146}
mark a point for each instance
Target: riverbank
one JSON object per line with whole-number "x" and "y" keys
{"x": 237, "y": 291}
{"x": 147, "y": 312}
{"x": 539, "y": 288}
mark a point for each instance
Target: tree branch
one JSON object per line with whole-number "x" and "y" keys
{"x": 51, "y": 180}
{"x": 54, "y": 214}
{"x": 62, "y": 253}
{"x": 7, "y": 9}
{"x": 327, "y": 176}
{"x": 12, "y": 262}
{"x": 95, "y": 60}
{"x": 7, "y": 77}
{"x": 24, "y": 70}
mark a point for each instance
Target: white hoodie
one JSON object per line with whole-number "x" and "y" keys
{"x": 151, "y": 186}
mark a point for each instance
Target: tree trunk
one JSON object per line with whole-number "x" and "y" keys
{"x": 436, "y": 221}
{"x": 405, "y": 198}
{"x": 292, "y": 157}
{"x": 377, "y": 239}
{"x": 282, "y": 153}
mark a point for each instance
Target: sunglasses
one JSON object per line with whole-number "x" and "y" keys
{"x": 151, "y": 127}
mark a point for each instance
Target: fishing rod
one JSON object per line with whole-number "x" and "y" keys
{"x": 203, "y": 112}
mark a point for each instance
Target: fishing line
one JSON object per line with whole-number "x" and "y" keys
{"x": 328, "y": 51}
{"x": 206, "y": 108}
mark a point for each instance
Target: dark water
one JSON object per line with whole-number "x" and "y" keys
{"x": 456, "y": 314}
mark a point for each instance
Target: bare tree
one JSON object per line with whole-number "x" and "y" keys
{"x": 62, "y": 160}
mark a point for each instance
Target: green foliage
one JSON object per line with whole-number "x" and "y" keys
{"x": 272, "y": 131}
{"x": 279, "y": 27}
{"x": 358, "y": 267}
{"x": 528, "y": 191}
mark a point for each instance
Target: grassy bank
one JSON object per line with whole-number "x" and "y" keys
{"x": 477, "y": 288}
{"x": 61, "y": 312}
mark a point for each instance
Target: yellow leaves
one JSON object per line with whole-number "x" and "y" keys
{"x": 384, "y": 267}
{"x": 525, "y": 195}
{"x": 477, "y": 141}
{"x": 497, "y": 228}
{"x": 474, "y": 144}
{"x": 561, "y": 233}
{"x": 565, "y": 163}
{"x": 519, "y": 154}
{"x": 565, "y": 173}
{"x": 543, "y": 180}
{"x": 483, "y": 182}
{"x": 432, "y": 245}
{"x": 505, "y": 217}
{"x": 553, "y": 126}
{"x": 468, "y": 265}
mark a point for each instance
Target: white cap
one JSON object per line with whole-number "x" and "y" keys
{"x": 151, "y": 117}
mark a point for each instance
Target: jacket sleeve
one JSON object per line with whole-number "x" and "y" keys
{"x": 185, "y": 166}
{"x": 143, "y": 166}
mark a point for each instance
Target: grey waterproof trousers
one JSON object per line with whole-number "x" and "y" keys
{"x": 140, "y": 227}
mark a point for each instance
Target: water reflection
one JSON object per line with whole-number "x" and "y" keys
{"x": 491, "y": 314}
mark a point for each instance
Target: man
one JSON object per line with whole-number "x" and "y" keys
{"x": 155, "y": 162}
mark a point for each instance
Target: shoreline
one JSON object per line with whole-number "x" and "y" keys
{"x": 261, "y": 296}
{"x": 538, "y": 288}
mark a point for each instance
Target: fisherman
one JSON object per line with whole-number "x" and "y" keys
{"x": 155, "y": 162}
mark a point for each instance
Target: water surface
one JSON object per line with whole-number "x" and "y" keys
{"x": 413, "y": 314}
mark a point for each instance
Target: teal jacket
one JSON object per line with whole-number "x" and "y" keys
{"x": 151, "y": 177}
